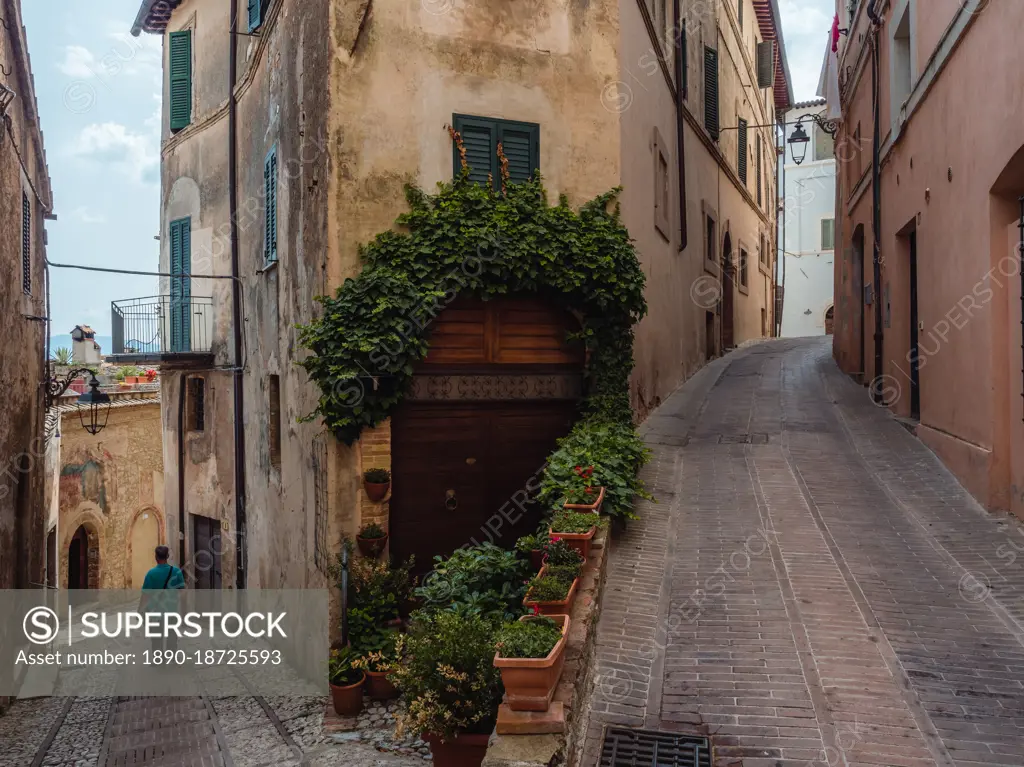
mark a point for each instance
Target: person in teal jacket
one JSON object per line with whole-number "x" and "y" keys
{"x": 159, "y": 593}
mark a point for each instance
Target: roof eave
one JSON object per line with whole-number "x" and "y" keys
{"x": 777, "y": 19}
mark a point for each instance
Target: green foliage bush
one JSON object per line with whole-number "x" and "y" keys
{"x": 574, "y": 522}
{"x": 559, "y": 553}
{"x": 447, "y": 676}
{"x": 530, "y": 638}
{"x": 376, "y": 591}
{"x": 567, "y": 573}
{"x": 548, "y": 589}
{"x": 483, "y": 580}
{"x": 341, "y": 669}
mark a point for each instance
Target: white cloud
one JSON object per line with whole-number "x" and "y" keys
{"x": 83, "y": 214}
{"x": 805, "y": 28}
{"x": 79, "y": 63}
{"x": 113, "y": 145}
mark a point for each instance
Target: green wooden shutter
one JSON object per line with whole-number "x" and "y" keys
{"x": 26, "y": 245}
{"x": 711, "y": 91}
{"x": 181, "y": 79}
{"x": 480, "y": 139}
{"x": 255, "y": 14}
{"x": 181, "y": 287}
{"x": 741, "y": 160}
{"x": 521, "y": 145}
{"x": 766, "y": 64}
{"x": 270, "y": 189}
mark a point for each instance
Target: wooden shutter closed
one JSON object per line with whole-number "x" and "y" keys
{"x": 270, "y": 193}
{"x": 742, "y": 158}
{"x": 255, "y": 14}
{"x": 521, "y": 145}
{"x": 480, "y": 137}
{"x": 180, "y": 79}
{"x": 26, "y": 245}
{"x": 711, "y": 91}
{"x": 765, "y": 64}
{"x": 181, "y": 287}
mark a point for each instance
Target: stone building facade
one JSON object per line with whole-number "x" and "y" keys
{"x": 25, "y": 201}
{"x": 338, "y": 105}
{"x": 110, "y": 496}
{"x": 945, "y": 310}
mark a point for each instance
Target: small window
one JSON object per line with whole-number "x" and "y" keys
{"x": 710, "y": 245}
{"x": 255, "y": 11}
{"x": 828, "y": 234}
{"x": 659, "y": 17}
{"x": 739, "y": 13}
{"x": 26, "y": 245}
{"x": 743, "y": 268}
{"x": 741, "y": 159}
{"x": 270, "y": 198}
{"x": 520, "y": 143}
{"x": 196, "y": 404}
{"x": 762, "y": 251}
{"x": 662, "y": 190}
{"x": 824, "y": 144}
{"x": 180, "y": 75}
{"x": 274, "y": 427}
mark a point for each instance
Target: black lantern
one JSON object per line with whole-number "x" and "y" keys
{"x": 798, "y": 142}
{"x": 92, "y": 406}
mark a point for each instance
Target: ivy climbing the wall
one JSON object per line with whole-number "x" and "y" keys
{"x": 475, "y": 240}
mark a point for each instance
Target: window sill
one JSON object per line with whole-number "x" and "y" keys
{"x": 268, "y": 266}
{"x": 744, "y": 289}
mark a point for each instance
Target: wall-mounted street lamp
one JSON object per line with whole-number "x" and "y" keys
{"x": 93, "y": 405}
{"x": 799, "y": 139}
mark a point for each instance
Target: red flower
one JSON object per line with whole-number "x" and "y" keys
{"x": 536, "y": 609}
{"x": 588, "y": 490}
{"x": 555, "y": 539}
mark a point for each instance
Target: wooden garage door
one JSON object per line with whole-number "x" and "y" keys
{"x": 500, "y": 385}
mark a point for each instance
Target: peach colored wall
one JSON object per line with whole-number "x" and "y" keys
{"x": 938, "y": 177}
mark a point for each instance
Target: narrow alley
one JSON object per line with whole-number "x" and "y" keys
{"x": 812, "y": 587}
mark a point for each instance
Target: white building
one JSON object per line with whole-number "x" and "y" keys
{"x": 809, "y": 196}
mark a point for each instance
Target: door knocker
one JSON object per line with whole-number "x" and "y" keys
{"x": 450, "y": 501}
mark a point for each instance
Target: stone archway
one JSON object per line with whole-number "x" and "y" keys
{"x": 82, "y": 552}
{"x": 145, "y": 533}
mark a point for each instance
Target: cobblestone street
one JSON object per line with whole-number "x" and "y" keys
{"x": 813, "y": 587}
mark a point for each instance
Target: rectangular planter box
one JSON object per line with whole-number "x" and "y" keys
{"x": 579, "y": 541}
{"x": 553, "y": 608}
{"x": 595, "y": 507}
{"x": 530, "y": 682}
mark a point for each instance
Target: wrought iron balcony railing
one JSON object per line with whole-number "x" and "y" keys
{"x": 161, "y": 328}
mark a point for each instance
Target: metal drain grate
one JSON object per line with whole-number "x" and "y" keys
{"x": 649, "y": 748}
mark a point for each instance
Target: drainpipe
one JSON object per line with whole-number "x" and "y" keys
{"x": 181, "y": 471}
{"x": 1020, "y": 255}
{"x": 680, "y": 118}
{"x": 780, "y": 273}
{"x": 236, "y": 308}
{"x": 876, "y": 208}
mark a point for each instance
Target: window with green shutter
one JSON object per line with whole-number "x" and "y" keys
{"x": 519, "y": 141}
{"x": 180, "y": 68}
{"x": 255, "y": 14}
{"x": 711, "y": 91}
{"x": 270, "y": 195}
{"x": 760, "y": 174}
{"x": 181, "y": 287}
{"x": 741, "y": 160}
{"x": 26, "y": 245}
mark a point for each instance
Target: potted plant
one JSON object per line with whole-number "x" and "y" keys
{"x": 150, "y": 375}
{"x": 371, "y": 539}
{"x": 582, "y": 494}
{"x": 377, "y": 665}
{"x": 531, "y": 654}
{"x": 346, "y": 682}
{"x": 445, "y": 670}
{"x": 376, "y": 483}
{"x": 532, "y": 547}
{"x": 575, "y": 528}
{"x": 553, "y": 591}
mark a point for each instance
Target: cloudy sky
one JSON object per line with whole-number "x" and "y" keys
{"x": 99, "y": 96}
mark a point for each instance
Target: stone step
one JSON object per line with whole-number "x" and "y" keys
{"x": 166, "y": 737}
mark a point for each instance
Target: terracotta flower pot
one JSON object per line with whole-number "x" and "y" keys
{"x": 464, "y": 750}
{"x": 553, "y": 608}
{"x": 378, "y": 687}
{"x": 371, "y": 547}
{"x": 530, "y": 682}
{"x": 578, "y": 541}
{"x": 376, "y": 491}
{"x": 348, "y": 700}
{"x": 595, "y": 507}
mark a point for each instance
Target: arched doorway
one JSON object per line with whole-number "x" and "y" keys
{"x": 143, "y": 538}
{"x": 728, "y": 295}
{"x": 857, "y": 296}
{"x": 829, "y": 320}
{"x": 499, "y": 386}
{"x": 83, "y": 560}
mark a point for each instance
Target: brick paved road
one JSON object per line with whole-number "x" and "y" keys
{"x": 813, "y": 587}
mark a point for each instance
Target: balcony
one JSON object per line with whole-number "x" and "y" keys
{"x": 173, "y": 331}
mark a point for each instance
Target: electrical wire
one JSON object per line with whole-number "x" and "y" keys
{"x": 47, "y": 206}
{"x": 144, "y": 274}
